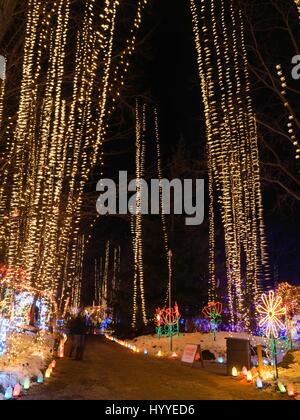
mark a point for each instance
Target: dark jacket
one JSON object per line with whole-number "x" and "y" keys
{"x": 78, "y": 326}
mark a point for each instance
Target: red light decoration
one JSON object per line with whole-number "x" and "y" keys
{"x": 213, "y": 311}
{"x": 167, "y": 322}
{"x": 159, "y": 322}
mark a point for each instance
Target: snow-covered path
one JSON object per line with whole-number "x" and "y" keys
{"x": 110, "y": 372}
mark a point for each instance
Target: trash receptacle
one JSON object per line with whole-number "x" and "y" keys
{"x": 238, "y": 354}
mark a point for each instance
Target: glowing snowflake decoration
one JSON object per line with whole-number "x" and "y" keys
{"x": 271, "y": 310}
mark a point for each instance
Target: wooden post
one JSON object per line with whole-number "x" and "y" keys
{"x": 260, "y": 359}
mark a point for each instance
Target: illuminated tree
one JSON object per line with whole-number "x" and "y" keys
{"x": 55, "y": 139}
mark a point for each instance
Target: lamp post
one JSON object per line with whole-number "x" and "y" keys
{"x": 170, "y": 256}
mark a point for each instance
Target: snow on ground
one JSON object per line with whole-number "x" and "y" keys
{"x": 153, "y": 345}
{"x": 218, "y": 347}
{"x": 291, "y": 375}
{"x": 27, "y": 355}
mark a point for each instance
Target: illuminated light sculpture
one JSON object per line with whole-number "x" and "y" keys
{"x": 169, "y": 319}
{"x": 213, "y": 311}
{"x": 159, "y": 354}
{"x": 159, "y": 322}
{"x": 17, "y": 391}
{"x": 146, "y": 352}
{"x": 48, "y": 373}
{"x": 220, "y": 360}
{"x": 271, "y": 310}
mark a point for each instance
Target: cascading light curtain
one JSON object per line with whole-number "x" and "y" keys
{"x": 162, "y": 209}
{"x": 293, "y": 122}
{"x": 105, "y": 283}
{"x": 137, "y": 219}
{"x": 2, "y": 85}
{"x": 233, "y": 157}
{"x": 56, "y": 140}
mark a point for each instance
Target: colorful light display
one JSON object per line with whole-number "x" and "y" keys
{"x": 167, "y": 322}
{"x": 56, "y": 141}
{"x": 213, "y": 311}
{"x": 271, "y": 310}
{"x": 159, "y": 322}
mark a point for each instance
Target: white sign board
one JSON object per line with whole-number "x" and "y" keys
{"x": 192, "y": 353}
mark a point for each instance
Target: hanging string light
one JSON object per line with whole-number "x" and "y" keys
{"x": 4, "y": 183}
{"x": 97, "y": 281}
{"x": 105, "y": 285}
{"x": 292, "y": 118}
{"x": 78, "y": 278}
{"x": 55, "y": 144}
{"x": 161, "y": 203}
{"x": 104, "y": 41}
{"x": 2, "y": 85}
{"x": 22, "y": 139}
{"x": 233, "y": 160}
{"x": 137, "y": 218}
{"x": 116, "y": 269}
{"x": 53, "y": 140}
